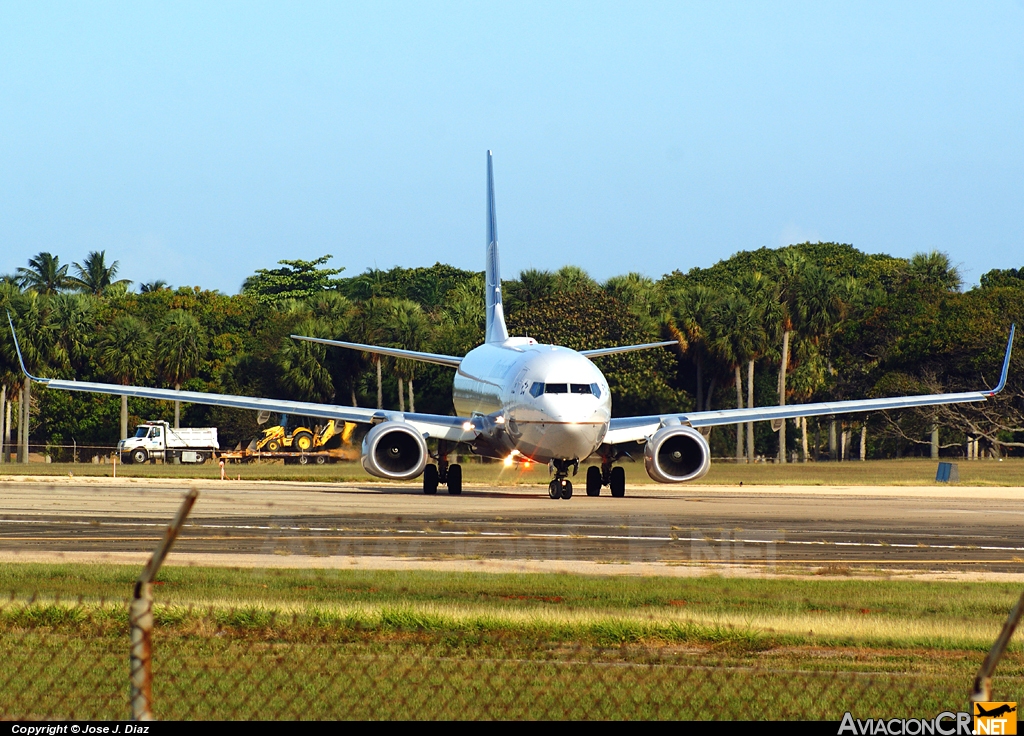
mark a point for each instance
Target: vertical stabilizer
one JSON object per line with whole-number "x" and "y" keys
{"x": 496, "y": 331}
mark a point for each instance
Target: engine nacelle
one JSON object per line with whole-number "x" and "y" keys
{"x": 676, "y": 454}
{"x": 394, "y": 450}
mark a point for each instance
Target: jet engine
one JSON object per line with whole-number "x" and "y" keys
{"x": 676, "y": 454}
{"x": 394, "y": 450}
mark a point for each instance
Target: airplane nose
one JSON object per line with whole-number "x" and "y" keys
{"x": 571, "y": 440}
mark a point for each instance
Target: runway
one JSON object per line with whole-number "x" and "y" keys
{"x": 958, "y": 531}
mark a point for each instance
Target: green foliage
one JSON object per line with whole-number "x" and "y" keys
{"x": 838, "y": 258}
{"x": 294, "y": 280}
{"x": 125, "y": 350}
{"x": 935, "y": 268}
{"x": 639, "y": 381}
{"x": 861, "y": 325}
{"x": 428, "y": 287}
{"x": 1012, "y": 277}
{"x": 180, "y": 346}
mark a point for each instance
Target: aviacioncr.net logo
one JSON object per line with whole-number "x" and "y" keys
{"x": 946, "y": 723}
{"x": 995, "y": 718}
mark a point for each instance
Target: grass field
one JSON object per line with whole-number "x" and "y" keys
{"x": 911, "y": 472}
{"x": 375, "y": 644}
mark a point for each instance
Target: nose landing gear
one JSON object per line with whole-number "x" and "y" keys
{"x": 561, "y": 487}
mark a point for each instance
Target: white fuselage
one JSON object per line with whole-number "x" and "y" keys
{"x": 554, "y": 403}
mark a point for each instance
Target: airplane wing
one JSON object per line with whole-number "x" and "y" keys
{"x": 598, "y": 352}
{"x": 448, "y": 360}
{"x": 635, "y": 429}
{"x": 458, "y": 429}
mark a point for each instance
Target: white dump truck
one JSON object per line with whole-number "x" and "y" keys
{"x": 157, "y": 439}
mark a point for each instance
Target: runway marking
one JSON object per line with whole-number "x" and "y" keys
{"x": 516, "y": 535}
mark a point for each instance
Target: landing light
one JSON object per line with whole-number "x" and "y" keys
{"x": 508, "y": 461}
{"x": 467, "y": 426}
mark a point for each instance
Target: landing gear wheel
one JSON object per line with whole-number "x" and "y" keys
{"x": 454, "y": 480}
{"x": 139, "y": 456}
{"x": 593, "y": 481}
{"x": 618, "y": 482}
{"x": 555, "y": 489}
{"x": 430, "y": 480}
{"x": 303, "y": 442}
{"x": 566, "y": 490}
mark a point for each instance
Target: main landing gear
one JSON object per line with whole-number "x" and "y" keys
{"x": 606, "y": 475}
{"x": 442, "y": 473}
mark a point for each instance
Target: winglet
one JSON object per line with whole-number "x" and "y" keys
{"x": 1006, "y": 365}
{"x": 17, "y": 349}
{"x": 495, "y": 330}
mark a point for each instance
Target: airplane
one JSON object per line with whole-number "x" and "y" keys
{"x": 517, "y": 399}
{"x": 995, "y": 712}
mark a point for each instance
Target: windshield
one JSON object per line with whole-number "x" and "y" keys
{"x": 562, "y": 388}
{"x": 142, "y": 432}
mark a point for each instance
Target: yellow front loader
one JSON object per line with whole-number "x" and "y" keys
{"x": 302, "y": 439}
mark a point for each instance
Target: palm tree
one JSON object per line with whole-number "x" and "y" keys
{"x": 370, "y": 324}
{"x": 369, "y": 284}
{"x": 29, "y": 313}
{"x": 792, "y": 266}
{"x": 158, "y": 285}
{"x": 180, "y": 347}
{"x": 72, "y": 320}
{"x": 125, "y": 354}
{"x": 409, "y": 329}
{"x": 734, "y": 337}
{"x": 641, "y": 295}
{"x": 532, "y": 284}
{"x": 935, "y": 268}
{"x": 95, "y": 276}
{"x": 460, "y": 318}
{"x": 44, "y": 274}
{"x": 303, "y": 364}
{"x": 10, "y": 372}
{"x": 336, "y": 316}
{"x": 763, "y": 295}
{"x": 693, "y": 312}
{"x": 573, "y": 279}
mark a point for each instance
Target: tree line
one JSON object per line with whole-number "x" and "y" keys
{"x": 808, "y": 322}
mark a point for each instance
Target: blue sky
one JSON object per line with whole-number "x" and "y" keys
{"x": 198, "y": 142}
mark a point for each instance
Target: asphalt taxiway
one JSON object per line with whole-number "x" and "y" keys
{"x": 943, "y": 531}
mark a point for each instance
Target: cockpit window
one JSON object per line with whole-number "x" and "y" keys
{"x": 539, "y": 388}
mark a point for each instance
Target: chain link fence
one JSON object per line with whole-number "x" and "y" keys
{"x": 70, "y": 661}
{"x": 106, "y": 660}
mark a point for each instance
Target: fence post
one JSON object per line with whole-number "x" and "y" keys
{"x": 140, "y": 617}
{"x": 982, "y": 692}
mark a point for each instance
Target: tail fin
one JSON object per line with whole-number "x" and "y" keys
{"x": 496, "y": 330}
